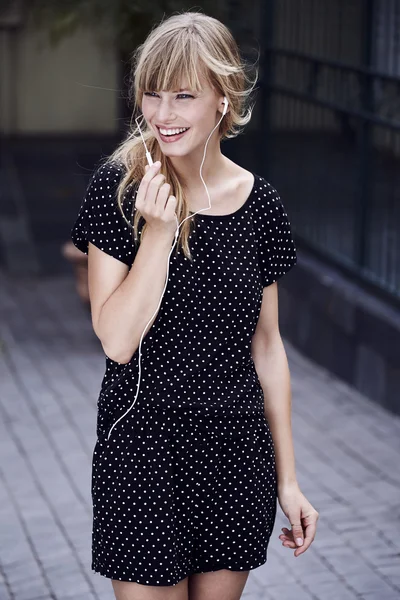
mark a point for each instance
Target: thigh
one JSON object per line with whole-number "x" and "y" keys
{"x": 223, "y": 584}
{"x": 127, "y": 590}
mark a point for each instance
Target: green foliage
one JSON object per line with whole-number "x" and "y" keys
{"x": 128, "y": 21}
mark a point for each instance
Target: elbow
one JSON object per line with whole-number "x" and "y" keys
{"x": 112, "y": 350}
{"x": 117, "y": 355}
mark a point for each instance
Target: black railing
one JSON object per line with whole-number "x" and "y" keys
{"x": 331, "y": 135}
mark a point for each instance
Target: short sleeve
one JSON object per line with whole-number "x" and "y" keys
{"x": 276, "y": 247}
{"x": 100, "y": 221}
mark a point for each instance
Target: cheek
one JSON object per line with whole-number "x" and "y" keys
{"x": 199, "y": 118}
{"x": 147, "y": 110}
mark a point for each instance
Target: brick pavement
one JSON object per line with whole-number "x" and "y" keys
{"x": 51, "y": 365}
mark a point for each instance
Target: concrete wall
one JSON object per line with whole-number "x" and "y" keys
{"x": 343, "y": 328}
{"x": 70, "y": 88}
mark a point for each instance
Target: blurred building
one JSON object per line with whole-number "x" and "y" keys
{"x": 332, "y": 147}
{"x": 325, "y": 132}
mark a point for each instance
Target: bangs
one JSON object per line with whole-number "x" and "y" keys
{"x": 175, "y": 62}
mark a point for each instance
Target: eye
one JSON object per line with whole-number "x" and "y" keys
{"x": 151, "y": 96}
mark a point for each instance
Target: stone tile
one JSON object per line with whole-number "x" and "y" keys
{"x": 288, "y": 592}
{"x": 346, "y": 452}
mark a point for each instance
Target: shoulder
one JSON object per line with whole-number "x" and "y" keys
{"x": 276, "y": 246}
{"x": 102, "y": 191}
{"x": 264, "y": 189}
{"x": 102, "y": 220}
{"x": 267, "y": 200}
{"x": 106, "y": 177}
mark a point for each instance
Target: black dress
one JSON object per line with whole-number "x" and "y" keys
{"x": 185, "y": 481}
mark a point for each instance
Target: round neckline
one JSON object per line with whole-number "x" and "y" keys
{"x": 234, "y": 213}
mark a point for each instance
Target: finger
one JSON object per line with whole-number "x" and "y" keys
{"x": 149, "y": 195}
{"x": 309, "y": 537}
{"x": 153, "y": 190}
{"x": 147, "y": 178}
{"x": 287, "y": 541}
{"x": 287, "y": 534}
{"x": 152, "y": 168}
{"x": 171, "y": 204}
{"x": 297, "y": 530}
{"x": 162, "y": 196}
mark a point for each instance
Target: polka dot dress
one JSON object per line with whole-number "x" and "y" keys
{"x": 186, "y": 481}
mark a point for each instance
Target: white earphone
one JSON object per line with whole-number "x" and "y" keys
{"x": 150, "y": 162}
{"x": 225, "y": 107}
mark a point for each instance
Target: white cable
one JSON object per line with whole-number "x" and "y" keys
{"x": 176, "y": 237}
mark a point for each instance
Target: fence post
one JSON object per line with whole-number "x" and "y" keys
{"x": 367, "y": 106}
{"x": 267, "y": 13}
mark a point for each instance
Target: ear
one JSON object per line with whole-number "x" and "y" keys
{"x": 223, "y": 105}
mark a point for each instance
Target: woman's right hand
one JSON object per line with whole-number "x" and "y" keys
{"x": 154, "y": 202}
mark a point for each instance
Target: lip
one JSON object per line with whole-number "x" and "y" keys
{"x": 169, "y": 126}
{"x": 171, "y": 138}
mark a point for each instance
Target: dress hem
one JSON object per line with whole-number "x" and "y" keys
{"x": 208, "y": 569}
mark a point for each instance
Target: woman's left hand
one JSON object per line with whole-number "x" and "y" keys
{"x": 302, "y": 517}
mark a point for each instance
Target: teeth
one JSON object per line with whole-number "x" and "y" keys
{"x": 173, "y": 131}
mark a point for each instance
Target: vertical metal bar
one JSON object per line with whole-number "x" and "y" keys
{"x": 365, "y": 188}
{"x": 234, "y": 20}
{"x": 267, "y": 13}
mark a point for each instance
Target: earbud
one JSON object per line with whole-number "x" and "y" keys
{"x": 225, "y": 107}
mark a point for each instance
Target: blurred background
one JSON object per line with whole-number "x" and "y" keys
{"x": 326, "y": 133}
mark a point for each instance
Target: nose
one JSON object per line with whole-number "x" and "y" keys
{"x": 164, "y": 112}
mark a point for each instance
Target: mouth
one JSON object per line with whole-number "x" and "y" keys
{"x": 171, "y": 138}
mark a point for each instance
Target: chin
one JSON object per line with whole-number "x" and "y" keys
{"x": 171, "y": 153}
{"x": 184, "y": 151}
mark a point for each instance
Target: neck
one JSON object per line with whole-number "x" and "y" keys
{"x": 214, "y": 168}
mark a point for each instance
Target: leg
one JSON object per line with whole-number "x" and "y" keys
{"x": 127, "y": 590}
{"x": 217, "y": 585}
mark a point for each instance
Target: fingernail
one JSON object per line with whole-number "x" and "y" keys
{"x": 157, "y": 163}
{"x": 299, "y": 541}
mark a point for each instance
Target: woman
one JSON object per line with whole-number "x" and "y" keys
{"x": 185, "y": 479}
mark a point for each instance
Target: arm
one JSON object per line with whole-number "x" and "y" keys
{"x": 122, "y": 302}
{"x": 272, "y": 368}
{"x": 277, "y": 255}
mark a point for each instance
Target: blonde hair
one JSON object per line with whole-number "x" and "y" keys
{"x": 182, "y": 47}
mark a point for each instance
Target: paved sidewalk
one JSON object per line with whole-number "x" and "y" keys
{"x": 51, "y": 366}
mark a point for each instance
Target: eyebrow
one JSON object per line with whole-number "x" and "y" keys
{"x": 181, "y": 90}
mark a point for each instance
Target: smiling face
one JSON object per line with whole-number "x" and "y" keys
{"x": 188, "y": 115}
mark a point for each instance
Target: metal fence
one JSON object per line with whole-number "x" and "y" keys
{"x": 330, "y": 80}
